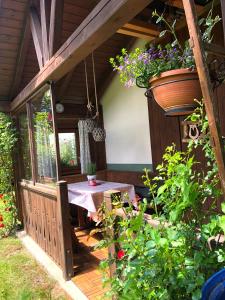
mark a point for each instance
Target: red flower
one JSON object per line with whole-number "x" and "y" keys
{"x": 120, "y": 254}
{"x": 49, "y": 117}
{"x": 2, "y": 225}
{"x": 1, "y": 218}
{"x": 1, "y": 196}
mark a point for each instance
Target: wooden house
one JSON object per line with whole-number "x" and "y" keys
{"x": 43, "y": 46}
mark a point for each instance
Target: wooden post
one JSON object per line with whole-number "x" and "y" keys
{"x": 108, "y": 197}
{"x": 55, "y": 129}
{"x": 31, "y": 143}
{"x": 207, "y": 92}
{"x": 64, "y": 230}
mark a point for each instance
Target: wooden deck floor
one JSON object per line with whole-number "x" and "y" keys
{"x": 86, "y": 261}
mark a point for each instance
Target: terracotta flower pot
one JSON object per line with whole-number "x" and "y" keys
{"x": 176, "y": 90}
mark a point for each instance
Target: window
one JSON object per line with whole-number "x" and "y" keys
{"x": 68, "y": 146}
{"x": 25, "y": 162}
{"x": 44, "y": 141}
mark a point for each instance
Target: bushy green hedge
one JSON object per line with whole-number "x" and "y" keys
{"x": 8, "y": 139}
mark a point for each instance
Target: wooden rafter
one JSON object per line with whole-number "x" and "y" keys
{"x": 222, "y": 3}
{"x": 105, "y": 19}
{"x": 44, "y": 10}
{"x": 55, "y": 29}
{"x": 37, "y": 35}
{"x": 140, "y": 29}
{"x": 179, "y": 4}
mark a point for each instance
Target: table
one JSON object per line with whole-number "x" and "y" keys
{"x": 91, "y": 197}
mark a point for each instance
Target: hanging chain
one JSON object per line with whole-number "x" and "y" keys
{"x": 89, "y": 105}
{"x": 96, "y": 96}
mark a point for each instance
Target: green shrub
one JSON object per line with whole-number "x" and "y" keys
{"x": 173, "y": 260}
{"x": 8, "y": 139}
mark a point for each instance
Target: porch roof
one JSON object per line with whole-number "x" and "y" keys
{"x": 18, "y": 60}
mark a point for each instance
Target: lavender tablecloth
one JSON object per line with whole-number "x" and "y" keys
{"x": 91, "y": 197}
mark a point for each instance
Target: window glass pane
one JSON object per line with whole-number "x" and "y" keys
{"x": 24, "y": 146}
{"x": 44, "y": 138}
{"x": 68, "y": 151}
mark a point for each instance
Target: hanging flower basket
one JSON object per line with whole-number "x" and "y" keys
{"x": 98, "y": 134}
{"x": 89, "y": 125}
{"x": 176, "y": 90}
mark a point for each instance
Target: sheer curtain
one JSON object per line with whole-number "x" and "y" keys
{"x": 85, "y": 157}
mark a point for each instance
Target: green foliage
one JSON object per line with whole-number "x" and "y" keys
{"x": 8, "y": 139}
{"x": 91, "y": 169}
{"x": 140, "y": 65}
{"x": 172, "y": 260}
{"x": 8, "y": 215}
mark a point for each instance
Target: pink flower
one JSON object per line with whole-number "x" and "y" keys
{"x": 120, "y": 254}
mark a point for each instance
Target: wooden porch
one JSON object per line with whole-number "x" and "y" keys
{"x": 43, "y": 46}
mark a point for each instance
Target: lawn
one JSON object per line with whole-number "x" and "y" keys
{"x": 21, "y": 278}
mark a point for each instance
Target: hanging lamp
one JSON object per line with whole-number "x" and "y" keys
{"x": 90, "y": 123}
{"x": 98, "y": 132}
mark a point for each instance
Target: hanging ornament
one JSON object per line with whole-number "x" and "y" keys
{"x": 98, "y": 132}
{"x": 90, "y": 123}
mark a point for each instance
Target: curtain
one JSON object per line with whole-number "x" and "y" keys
{"x": 45, "y": 153}
{"x": 85, "y": 157}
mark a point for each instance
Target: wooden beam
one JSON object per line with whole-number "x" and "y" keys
{"x": 140, "y": 29}
{"x": 222, "y": 4}
{"x": 44, "y": 8}
{"x": 4, "y": 106}
{"x": 206, "y": 87}
{"x": 141, "y": 26}
{"x": 137, "y": 34}
{"x": 55, "y": 30}
{"x": 25, "y": 39}
{"x": 105, "y": 19}
{"x": 37, "y": 35}
{"x": 179, "y": 4}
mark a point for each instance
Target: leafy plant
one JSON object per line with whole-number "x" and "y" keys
{"x": 138, "y": 66}
{"x": 172, "y": 260}
{"x": 8, "y": 139}
{"x": 91, "y": 169}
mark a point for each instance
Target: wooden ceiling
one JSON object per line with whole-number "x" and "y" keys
{"x": 18, "y": 59}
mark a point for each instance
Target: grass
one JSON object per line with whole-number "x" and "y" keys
{"x": 21, "y": 278}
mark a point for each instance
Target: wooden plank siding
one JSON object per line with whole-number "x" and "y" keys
{"x": 12, "y": 15}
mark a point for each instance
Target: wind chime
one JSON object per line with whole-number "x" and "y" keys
{"x": 92, "y": 124}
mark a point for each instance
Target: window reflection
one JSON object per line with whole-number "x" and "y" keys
{"x": 68, "y": 151}
{"x": 24, "y": 146}
{"x": 44, "y": 138}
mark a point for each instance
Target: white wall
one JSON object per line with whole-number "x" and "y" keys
{"x": 125, "y": 113}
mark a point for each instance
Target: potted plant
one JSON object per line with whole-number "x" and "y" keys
{"x": 91, "y": 174}
{"x": 168, "y": 71}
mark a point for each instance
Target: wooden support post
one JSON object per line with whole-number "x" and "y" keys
{"x": 44, "y": 9}
{"x": 55, "y": 129}
{"x": 37, "y": 35}
{"x": 222, "y": 3}
{"x": 64, "y": 230}
{"x": 108, "y": 197}
{"x": 55, "y": 30}
{"x": 207, "y": 92}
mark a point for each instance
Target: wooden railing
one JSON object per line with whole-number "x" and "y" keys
{"x": 46, "y": 219}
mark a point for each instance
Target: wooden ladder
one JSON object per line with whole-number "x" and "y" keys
{"x": 203, "y": 72}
